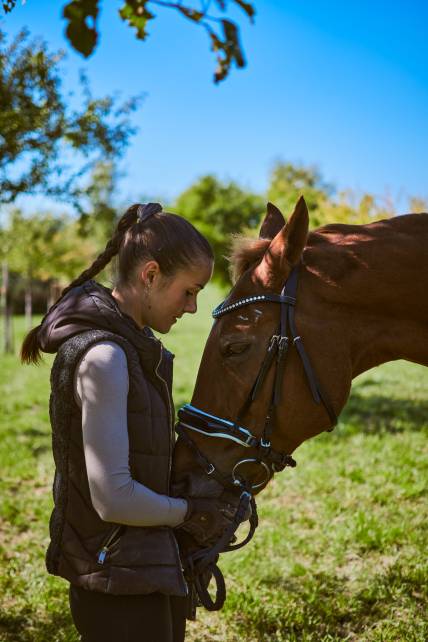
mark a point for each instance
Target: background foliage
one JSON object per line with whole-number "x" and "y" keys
{"x": 46, "y": 145}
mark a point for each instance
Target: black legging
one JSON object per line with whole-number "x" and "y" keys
{"x": 102, "y": 617}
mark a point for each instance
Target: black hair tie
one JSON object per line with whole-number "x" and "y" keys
{"x": 144, "y": 212}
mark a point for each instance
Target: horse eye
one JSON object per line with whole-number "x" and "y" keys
{"x": 233, "y": 349}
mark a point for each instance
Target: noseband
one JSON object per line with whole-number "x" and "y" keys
{"x": 196, "y": 420}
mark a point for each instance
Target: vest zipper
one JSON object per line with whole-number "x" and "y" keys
{"x": 170, "y": 413}
{"x": 102, "y": 553}
{"x": 171, "y": 445}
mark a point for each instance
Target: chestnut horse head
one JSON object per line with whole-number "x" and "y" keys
{"x": 360, "y": 300}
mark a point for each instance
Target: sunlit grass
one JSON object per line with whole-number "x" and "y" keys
{"x": 340, "y": 553}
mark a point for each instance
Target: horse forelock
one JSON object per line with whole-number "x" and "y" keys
{"x": 245, "y": 253}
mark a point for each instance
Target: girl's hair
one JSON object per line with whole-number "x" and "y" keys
{"x": 143, "y": 233}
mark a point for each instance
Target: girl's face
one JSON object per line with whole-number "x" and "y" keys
{"x": 168, "y": 298}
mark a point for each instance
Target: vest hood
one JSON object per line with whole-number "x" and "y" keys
{"x": 87, "y": 307}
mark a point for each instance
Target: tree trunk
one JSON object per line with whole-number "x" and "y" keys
{"x": 29, "y": 302}
{"x": 54, "y": 293}
{"x": 6, "y": 311}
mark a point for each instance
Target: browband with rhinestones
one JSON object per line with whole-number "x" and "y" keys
{"x": 258, "y": 298}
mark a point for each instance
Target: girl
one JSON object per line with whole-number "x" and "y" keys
{"x": 112, "y": 421}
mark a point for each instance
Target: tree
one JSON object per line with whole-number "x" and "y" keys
{"x": 40, "y": 131}
{"x": 45, "y": 145}
{"x": 41, "y": 246}
{"x": 82, "y": 29}
{"x": 418, "y": 205}
{"x": 288, "y": 182}
{"x": 219, "y": 210}
{"x": 100, "y": 214}
{"x": 5, "y": 307}
{"x": 353, "y": 209}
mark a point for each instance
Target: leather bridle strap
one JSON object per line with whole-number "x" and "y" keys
{"x": 198, "y": 421}
{"x": 224, "y": 480}
{"x": 278, "y": 346}
{"x": 316, "y": 389}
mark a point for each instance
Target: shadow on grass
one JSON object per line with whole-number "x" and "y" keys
{"x": 26, "y": 626}
{"x": 36, "y": 432}
{"x": 323, "y": 606}
{"x": 377, "y": 413}
{"x": 315, "y": 608}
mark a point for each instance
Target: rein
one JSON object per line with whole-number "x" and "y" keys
{"x": 202, "y": 565}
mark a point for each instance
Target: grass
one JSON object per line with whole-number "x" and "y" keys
{"x": 340, "y": 553}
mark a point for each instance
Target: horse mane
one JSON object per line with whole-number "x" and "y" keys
{"x": 245, "y": 252}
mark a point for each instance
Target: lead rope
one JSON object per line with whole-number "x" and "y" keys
{"x": 201, "y": 567}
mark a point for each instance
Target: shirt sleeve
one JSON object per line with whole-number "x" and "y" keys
{"x": 101, "y": 390}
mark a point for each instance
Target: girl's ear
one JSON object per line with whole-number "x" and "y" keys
{"x": 149, "y": 272}
{"x": 285, "y": 249}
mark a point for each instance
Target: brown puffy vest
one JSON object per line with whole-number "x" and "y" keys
{"x": 84, "y": 549}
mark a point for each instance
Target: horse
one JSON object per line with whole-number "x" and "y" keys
{"x": 308, "y": 312}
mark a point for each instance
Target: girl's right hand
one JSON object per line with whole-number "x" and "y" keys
{"x": 206, "y": 519}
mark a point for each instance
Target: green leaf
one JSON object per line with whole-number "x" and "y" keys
{"x": 247, "y": 7}
{"x": 137, "y": 15}
{"x": 232, "y": 42}
{"x": 8, "y": 5}
{"x": 81, "y": 36}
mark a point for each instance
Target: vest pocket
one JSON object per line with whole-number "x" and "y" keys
{"x": 112, "y": 539}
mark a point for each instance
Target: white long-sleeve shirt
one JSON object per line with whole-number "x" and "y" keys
{"x": 101, "y": 386}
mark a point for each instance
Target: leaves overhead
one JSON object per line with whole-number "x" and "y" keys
{"x": 8, "y": 5}
{"x": 137, "y": 15}
{"x": 82, "y": 31}
{"x": 79, "y": 15}
{"x": 43, "y": 137}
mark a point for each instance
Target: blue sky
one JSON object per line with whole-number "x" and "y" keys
{"x": 340, "y": 85}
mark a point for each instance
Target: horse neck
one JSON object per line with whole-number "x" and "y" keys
{"x": 372, "y": 281}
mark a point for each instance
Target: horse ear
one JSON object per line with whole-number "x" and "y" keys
{"x": 285, "y": 249}
{"x": 273, "y": 222}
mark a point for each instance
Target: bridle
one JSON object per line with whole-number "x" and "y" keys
{"x": 196, "y": 420}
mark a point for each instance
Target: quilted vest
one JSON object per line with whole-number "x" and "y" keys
{"x": 84, "y": 549}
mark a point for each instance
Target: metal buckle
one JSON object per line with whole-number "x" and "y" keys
{"x": 210, "y": 470}
{"x": 268, "y": 472}
{"x": 283, "y": 343}
{"x": 275, "y": 338}
{"x": 264, "y": 444}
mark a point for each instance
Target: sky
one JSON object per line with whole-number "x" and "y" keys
{"x": 342, "y": 86}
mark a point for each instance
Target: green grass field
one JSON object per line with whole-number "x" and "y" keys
{"x": 341, "y": 552}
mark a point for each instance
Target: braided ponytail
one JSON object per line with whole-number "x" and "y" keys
{"x": 110, "y": 250}
{"x": 30, "y": 350}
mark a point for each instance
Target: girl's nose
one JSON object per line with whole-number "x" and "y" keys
{"x": 191, "y": 307}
